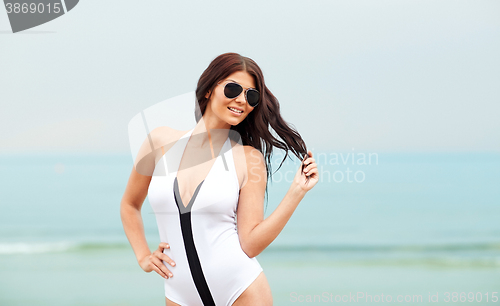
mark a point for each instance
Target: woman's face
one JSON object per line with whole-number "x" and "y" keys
{"x": 220, "y": 106}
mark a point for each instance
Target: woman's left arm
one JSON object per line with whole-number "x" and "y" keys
{"x": 255, "y": 233}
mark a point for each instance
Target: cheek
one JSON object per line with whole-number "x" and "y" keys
{"x": 220, "y": 109}
{"x": 245, "y": 115}
{"x": 218, "y": 106}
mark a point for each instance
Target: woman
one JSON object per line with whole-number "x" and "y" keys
{"x": 206, "y": 257}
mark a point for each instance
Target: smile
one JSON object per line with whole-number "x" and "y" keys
{"x": 235, "y": 111}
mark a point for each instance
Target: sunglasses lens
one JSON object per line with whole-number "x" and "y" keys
{"x": 253, "y": 97}
{"x": 232, "y": 90}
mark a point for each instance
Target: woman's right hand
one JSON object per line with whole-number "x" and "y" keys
{"x": 154, "y": 261}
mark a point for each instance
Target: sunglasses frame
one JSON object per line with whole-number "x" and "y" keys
{"x": 243, "y": 90}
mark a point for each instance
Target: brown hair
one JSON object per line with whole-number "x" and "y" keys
{"x": 254, "y": 129}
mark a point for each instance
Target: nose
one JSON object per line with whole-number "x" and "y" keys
{"x": 241, "y": 98}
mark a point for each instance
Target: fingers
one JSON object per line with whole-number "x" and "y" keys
{"x": 166, "y": 259}
{"x": 309, "y": 159}
{"x": 162, "y": 256}
{"x": 312, "y": 172}
{"x": 159, "y": 258}
{"x": 159, "y": 271}
{"x": 163, "y": 245}
{"x": 160, "y": 267}
{"x": 310, "y": 169}
{"x": 309, "y": 164}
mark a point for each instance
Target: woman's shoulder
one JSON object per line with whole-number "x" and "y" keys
{"x": 246, "y": 150}
{"x": 253, "y": 153}
{"x": 254, "y": 159}
{"x": 248, "y": 161}
{"x": 157, "y": 143}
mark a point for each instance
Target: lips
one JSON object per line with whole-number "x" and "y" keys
{"x": 231, "y": 108}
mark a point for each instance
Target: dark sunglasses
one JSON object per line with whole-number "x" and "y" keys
{"x": 233, "y": 90}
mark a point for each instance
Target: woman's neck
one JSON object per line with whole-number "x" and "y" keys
{"x": 210, "y": 133}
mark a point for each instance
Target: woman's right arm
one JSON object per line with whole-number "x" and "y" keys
{"x": 130, "y": 212}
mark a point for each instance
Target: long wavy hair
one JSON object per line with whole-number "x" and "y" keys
{"x": 254, "y": 129}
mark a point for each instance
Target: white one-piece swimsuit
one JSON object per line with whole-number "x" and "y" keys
{"x": 211, "y": 267}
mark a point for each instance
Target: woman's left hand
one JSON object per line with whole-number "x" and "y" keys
{"x": 306, "y": 179}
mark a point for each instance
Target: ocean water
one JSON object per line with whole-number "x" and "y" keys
{"x": 418, "y": 228}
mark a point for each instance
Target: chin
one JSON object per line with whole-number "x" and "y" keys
{"x": 234, "y": 120}
{"x": 234, "y": 123}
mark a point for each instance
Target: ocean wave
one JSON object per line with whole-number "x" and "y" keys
{"x": 430, "y": 262}
{"x": 477, "y": 255}
{"x": 65, "y": 246}
{"x": 492, "y": 246}
{"x": 54, "y": 247}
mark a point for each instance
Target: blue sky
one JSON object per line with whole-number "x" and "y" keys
{"x": 370, "y": 75}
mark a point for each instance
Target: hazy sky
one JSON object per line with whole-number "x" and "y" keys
{"x": 370, "y": 75}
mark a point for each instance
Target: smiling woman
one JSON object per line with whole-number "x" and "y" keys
{"x": 236, "y": 95}
{"x": 216, "y": 172}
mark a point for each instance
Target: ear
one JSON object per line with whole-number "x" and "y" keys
{"x": 207, "y": 94}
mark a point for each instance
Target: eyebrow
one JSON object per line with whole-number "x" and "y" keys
{"x": 238, "y": 83}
